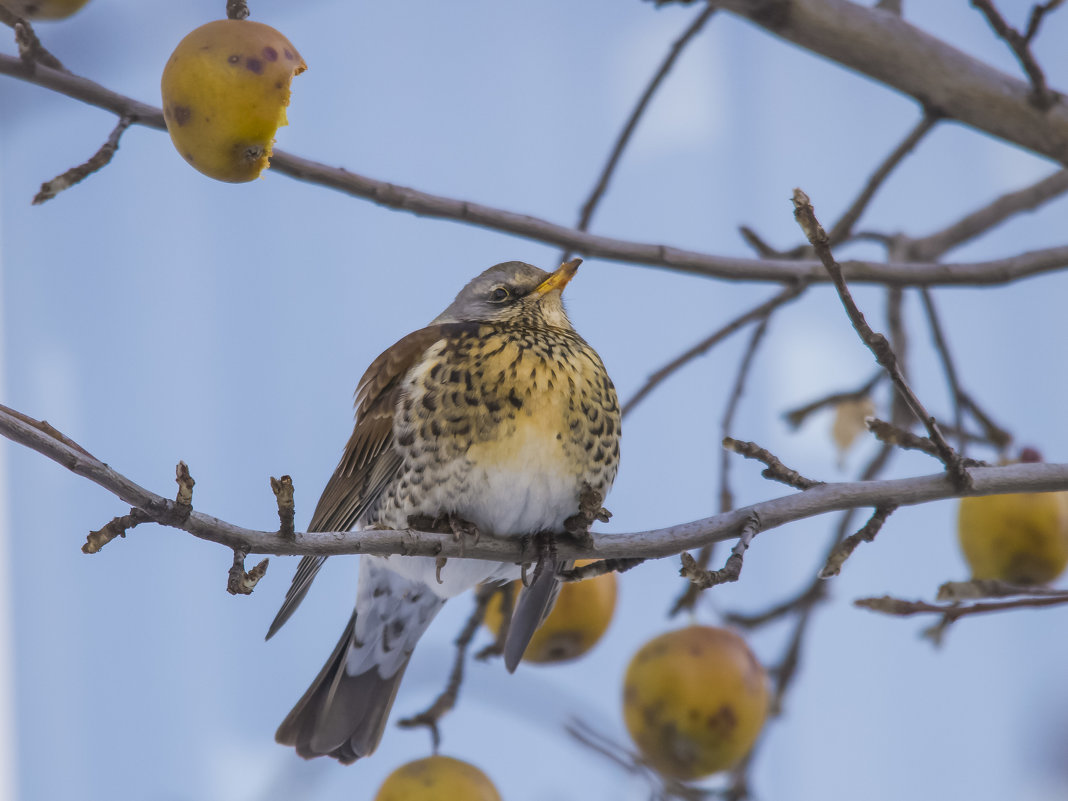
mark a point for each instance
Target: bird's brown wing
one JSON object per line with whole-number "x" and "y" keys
{"x": 369, "y": 461}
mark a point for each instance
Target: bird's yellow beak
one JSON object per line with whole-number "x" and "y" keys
{"x": 559, "y": 279}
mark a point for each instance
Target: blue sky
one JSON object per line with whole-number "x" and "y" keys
{"x": 154, "y": 315}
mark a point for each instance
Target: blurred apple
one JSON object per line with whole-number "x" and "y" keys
{"x": 694, "y": 701}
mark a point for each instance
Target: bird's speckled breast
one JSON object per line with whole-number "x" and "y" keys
{"x": 502, "y": 426}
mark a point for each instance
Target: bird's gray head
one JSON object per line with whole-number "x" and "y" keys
{"x": 513, "y": 292}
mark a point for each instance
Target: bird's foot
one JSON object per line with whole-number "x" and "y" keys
{"x": 446, "y": 523}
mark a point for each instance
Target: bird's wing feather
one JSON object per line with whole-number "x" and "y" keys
{"x": 369, "y": 461}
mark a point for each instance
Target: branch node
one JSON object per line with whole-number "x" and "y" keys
{"x": 236, "y": 9}
{"x": 184, "y": 500}
{"x": 238, "y": 581}
{"x": 283, "y": 493}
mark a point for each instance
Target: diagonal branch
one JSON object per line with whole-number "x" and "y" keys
{"x": 760, "y": 312}
{"x": 841, "y": 230}
{"x": 877, "y": 343}
{"x": 632, "y": 122}
{"x": 1041, "y": 96}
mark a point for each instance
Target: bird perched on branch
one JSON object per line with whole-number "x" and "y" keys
{"x": 498, "y": 418}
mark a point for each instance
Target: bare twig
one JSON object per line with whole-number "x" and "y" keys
{"x": 776, "y": 470}
{"x": 948, "y": 366}
{"x": 910, "y": 273}
{"x": 841, "y": 230}
{"x": 900, "y": 438}
{"x": 432, "y": 715}
{"x": 74, "y": 175}
{"x": 994, "y": 433}
{"x": 692, "y": 591}
{"x": 1038, "y": 13}
{"x": 990, "y": 588}
{"x": 1041, "y": 96}
{"x": 846, "y": 547}
{"x": 31, "y": 50}
{"x": 797, "y": 416}
{"x": 632, "y": 121}
{"x": 758, "y": 313}
{"x": 876, "y": 343}
{"x": 704, "y": 579}
{"x": 814, "y": 592}
{"x": 952, "y": 612}
{"x": 117, "y": 527}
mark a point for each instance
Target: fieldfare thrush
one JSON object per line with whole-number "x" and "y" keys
{"x": 496, "y": 416}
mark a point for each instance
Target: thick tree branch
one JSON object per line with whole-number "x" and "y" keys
{"x": 917, "y": 273}
{"x": 1031, "y": 477}
{"x": 885, "y": 47}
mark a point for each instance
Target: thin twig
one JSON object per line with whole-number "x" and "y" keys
{"x": 30, "y": 48}
{"x": 1041, "y": 96}
{"x": 74, "y": 175}
{"x": 688, "y": 598}
{"x": 776, "y": 470}
{"x": 888, "y": 605}
{"x": 432, "y": 715}
{"x": 635, "y": 116}
{"x": 842, "y": 229}
{"x": 942, "y": 347}
{"x": 902, "y": 438}
{"x": 994, "y": 433}
{"x": 731, "y": 571}
{"x": 787, "y": 294}
{"x": 876, "y": 343}
{"x": 846, "y": 547}
{"x": 797, "y": 416}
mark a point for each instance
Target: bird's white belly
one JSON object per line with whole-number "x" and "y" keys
{"x": 519, "y": 485}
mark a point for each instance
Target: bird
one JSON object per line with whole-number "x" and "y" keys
{"x": 498, "y": 417}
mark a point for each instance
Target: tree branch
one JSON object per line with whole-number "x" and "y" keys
{"x": 885, "y": 47}
{"x": 1028, "y": 477}
{"x": 728, "y": 268}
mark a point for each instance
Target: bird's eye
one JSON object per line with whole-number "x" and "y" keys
{"x": 500, "y": 294}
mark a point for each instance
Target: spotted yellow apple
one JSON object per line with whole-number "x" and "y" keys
{"x": 225, "y": 91}
{"x": 694, "y": 701}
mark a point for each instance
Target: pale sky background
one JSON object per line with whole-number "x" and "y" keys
{"x": 153, "y": 315}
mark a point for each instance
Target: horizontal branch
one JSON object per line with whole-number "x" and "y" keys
{"x": 1031, "y": 477}
{"x": 943, "y": 79}
{"x": 422, "y": 203}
